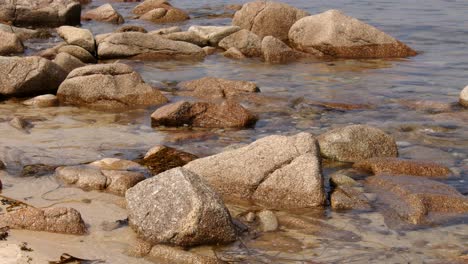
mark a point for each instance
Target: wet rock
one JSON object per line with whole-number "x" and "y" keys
{"x": 268, "y": 221}
{"x": 210, "y": 87}
{"x": 19, "y": 123}
{"x": 146, "y": 46}
{"x": 78, "y": 36}
{"x": 276, "y": 51}
{"x": 10, "y": 44}
{"x": 346, "y": 198}
{"x": 25, "y": 33}
{"x": 37, "y": 170}
{"x": 395, "y": 166}
{"x": 77, "y": 52}
{"x": 419, "y": 200}
{"x": 164, "y": 31}
{"x": 341, "y": 179}
{"x": 187, "y": 36}
{"x": 55, "y": 220}
{"x": 337, "y": 35}
{"x": 166, "y": 14}
{"x": 464, "y": 97}
{"x": 279, "y": 171}
{"x": 356, "y": 142}
{"x": 46, "y": 100}
{"x": 104, "y": 13}
{"x": 213, "y": 34}
{"x": 40, "y": 13}
{"x": 167, "y": 254}
{"x": 131, "y": 28}
{"x": 234, "y": 53}
{"x": 178, "y": 208}
{"x": 29, "y": 76}
{"x": 245, "y": 41}
{"x": 203, "y": 114}
{"x": 161, "y": 158}
{"x": 267, "y": 18}
{"x": 209, "y": 50}
{"x": 68, "y": 62}
{"x": 107, "y": 86}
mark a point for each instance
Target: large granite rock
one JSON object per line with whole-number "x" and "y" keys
{"x": 176, "y": 207}
{"x": 356, "y": 142}
{"x": 419, "y": 200}
{"x": 464, "y": 97}
{"x": 78, "y": 36}
{"x": 23, "y": 76}
{"x": 203, "y": 114}
{"x": 146, "y": 46}
{"x": 10, "y": 44}
{"x": 337, "y": 35}
{"x": 40, "y": 13}
{"x": 211, "y": 87}
{"x": 278, "y": 171}
{"x": 108, "y": 86}
{"x": 267, "y": 18}
{"x": 55, "y": 220}
{"x": 104, "y": 13}
{"x": 245, "y": 41}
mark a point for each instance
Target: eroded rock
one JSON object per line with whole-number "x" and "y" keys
{"x": 104, "y": 13}
{"x": 161, "y": 158}
{"x": 178, "y": 208}
{"x": 210, "y": 87}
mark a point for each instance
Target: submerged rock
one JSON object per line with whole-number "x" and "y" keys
{"x": 268, "y": 18}
{"x": 203, "y": 114}
{"x": 356, "y": 142}
{"x": 23, "y": 76}
{"x": 395, "y": 166}
{"x": 245, "y": 41}
{"x": 173, "y": 255}
{"x": 161, "y": 158}
{"x": 108, "y": 86}
{"x": 268, "y": 221}
{"x": 419, "y": 200}
{"x": 276, "y": 51}
{"x": 279, "y": 171}
{"x": 68, "y": 62}
{"x": 40, "y": 13}
{"x": 104, "y": 13}
{"x": 78, "y": 36}
{"x": 146, "y": 46}
{"x": 464, "y": 97}
{"x": 210, "y": 87}
{"x": 337, "y": 35}
{"x": 176, "y": 207}
{"x": 10, "y": 44}
{"x": 346, "y": 197}
{"x": 55, "y": 220}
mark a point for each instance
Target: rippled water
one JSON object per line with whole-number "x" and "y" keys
{"x": 391, "y": 90}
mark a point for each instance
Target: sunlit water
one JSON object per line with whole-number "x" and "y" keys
{"x": 388, "y": 88}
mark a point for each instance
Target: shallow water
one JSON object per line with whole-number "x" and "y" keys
{"x": 389, "y": 89}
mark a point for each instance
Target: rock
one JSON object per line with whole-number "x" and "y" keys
{"x": 25, "y": 33}
{"x": 77, "y": 52}
{"x": 164, "y": 31}
{"x": 178, "y": 208}
{"x": 250, "y": 217}
{"x": 213, "y": 34}
{"x": 117, "y": 164}
{"x": 234, "y": 53}
{"x": 346, "y": 198}
{"x": 68, "y": 62}
{"x": 131, "y": 28}
{"x": 40, "y": 13}
{"x": 210, "y": 87}
{"x": 55, "y": 220}
{"x": 356, "y": 142}
{"x": 146, "y": 46}
{"x": 89, "y": 177}
{"x": 245, "y": 41}
{"x": 341, "y": 179}
{"x": 167, "y": 254}
{"x": 107, "y": 86}
{"x": 23, "y": 76}
{"x": 187, "y": 36}
{"x": 337, "y": 35}
{"x": 279, "y": 171}
{"x": 268, "y": 221}
{"x": 161, "y": 158}
{"x": 267, "y": 18}
{"x": 209, "y": 50}
{"x": 37, "y": 170}
{"x": 464, "y": 97}
{"x": 395, "y": 166}
{"x": 419, "y": 200}
{"x": 422, "y": 153}
{"x": 2, "y": 166}
{"x": 203, "y": 114}
{"x": 19, "y": 123}
{"x": 10, "y": 44}
{"x": 276, "y": 51}
{"x": 104, "y": 13}
{"x": 78, "y": 36}
{"x": 166, "y": 14}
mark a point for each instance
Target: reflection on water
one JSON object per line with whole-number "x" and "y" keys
{"x": 413, "y": 99}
